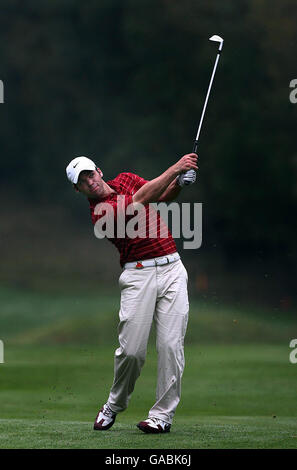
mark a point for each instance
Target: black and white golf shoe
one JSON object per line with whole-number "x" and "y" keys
{"x": 105, "y": 418}
{"x": 154, "y": 426}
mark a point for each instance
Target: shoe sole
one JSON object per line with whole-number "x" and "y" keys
{"x": 103, "y": 429}
{"x": 148, "y": 430}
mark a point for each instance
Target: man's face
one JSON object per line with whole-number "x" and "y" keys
{"x": 90, "y": 184}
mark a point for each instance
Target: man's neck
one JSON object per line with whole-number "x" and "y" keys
{"x": 107, "y": 190}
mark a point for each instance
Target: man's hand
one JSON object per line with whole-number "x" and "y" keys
{"x": 187, "y": 162}
{"x": 186, "y": 178}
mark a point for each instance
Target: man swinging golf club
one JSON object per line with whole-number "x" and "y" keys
{"x": 153, "y": 286}
{"x": 153, "y": 283}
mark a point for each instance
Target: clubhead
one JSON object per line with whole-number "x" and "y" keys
{"x": 217, "y": 38}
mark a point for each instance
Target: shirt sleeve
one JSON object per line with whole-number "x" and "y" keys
{"x": 140, "y": 181}
{"x": 133, "y": 182}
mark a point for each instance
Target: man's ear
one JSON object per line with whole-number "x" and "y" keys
{"x": 100, "y": 172}
{"x": 76, "y": 188}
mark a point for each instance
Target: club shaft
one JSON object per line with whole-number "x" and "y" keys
{"x": 206, "y": 99}
{"x": 195, "y": 146}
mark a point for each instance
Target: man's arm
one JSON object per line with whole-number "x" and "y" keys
{"x": 175, "y": 186}
{"x": 154, "y": 189}
{"x": 171, "y": 192}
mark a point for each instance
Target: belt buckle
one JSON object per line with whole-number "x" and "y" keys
{"x": 160, "y": 263}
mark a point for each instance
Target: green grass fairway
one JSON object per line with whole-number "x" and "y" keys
{"x": 239, "y": 388}
{"x": 234, "y": 396}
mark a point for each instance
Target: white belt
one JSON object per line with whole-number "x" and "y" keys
{"x": 153, "y": 262}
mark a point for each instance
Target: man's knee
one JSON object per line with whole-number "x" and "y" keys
{"x": 134, "y": 355}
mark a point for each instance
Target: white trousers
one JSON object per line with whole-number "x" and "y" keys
{"x": 160, "y": 294}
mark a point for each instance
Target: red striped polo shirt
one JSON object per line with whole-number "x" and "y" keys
{"x": 141, "y": 247}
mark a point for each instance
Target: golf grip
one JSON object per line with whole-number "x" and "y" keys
{"x": 195, "y": 148}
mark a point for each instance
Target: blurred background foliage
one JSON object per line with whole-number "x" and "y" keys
{"x": 124, "y": 82}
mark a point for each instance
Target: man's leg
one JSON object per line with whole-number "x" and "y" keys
{"x": 138, "y": 298}
{"x": 171, "y": 319}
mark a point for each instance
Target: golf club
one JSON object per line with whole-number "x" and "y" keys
{"x": 220, "y": 40}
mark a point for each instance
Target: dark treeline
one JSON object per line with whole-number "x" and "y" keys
{"x": 124, "y": 83}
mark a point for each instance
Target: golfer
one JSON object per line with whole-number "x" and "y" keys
{"x": 153, "y": 286}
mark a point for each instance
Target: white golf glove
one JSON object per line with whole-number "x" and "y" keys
{"x": 186, "y": 178}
